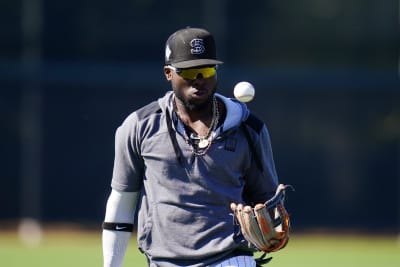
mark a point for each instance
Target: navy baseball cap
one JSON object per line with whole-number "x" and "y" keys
{"x": 191, "y": 47}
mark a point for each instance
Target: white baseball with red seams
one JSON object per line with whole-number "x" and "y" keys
{"x": 244, "y": 91}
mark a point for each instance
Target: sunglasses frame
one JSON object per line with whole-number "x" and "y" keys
{"x": 194, "y": 77}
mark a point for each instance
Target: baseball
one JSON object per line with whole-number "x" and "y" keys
{"x": 244, "y": 91}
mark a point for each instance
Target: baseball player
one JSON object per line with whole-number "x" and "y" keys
{"x": 180, "y": 162}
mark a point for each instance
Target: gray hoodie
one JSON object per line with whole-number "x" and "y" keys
{"x": 184, "y": 217}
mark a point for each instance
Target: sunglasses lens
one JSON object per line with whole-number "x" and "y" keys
{"x": 192, "y": 74}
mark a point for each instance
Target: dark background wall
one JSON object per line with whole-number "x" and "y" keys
{"x": 326, "y": 78}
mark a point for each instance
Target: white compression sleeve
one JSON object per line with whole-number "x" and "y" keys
{"x": 120, "y": 209}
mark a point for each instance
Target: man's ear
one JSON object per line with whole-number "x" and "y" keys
{"x": 168, "y": 73}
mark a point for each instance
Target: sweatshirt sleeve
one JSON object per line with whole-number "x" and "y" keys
{"x": 128, "y": 165}
{"x": 261, "y": 184}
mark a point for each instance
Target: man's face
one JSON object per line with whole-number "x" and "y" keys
{"x": 191, "y": 87}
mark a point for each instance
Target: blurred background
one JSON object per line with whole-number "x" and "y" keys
{"x": 327, "y": 85}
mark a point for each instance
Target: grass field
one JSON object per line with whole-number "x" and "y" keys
{"x": 83, "y": 249}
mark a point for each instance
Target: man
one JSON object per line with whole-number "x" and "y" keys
{"x": 179, "y": 163}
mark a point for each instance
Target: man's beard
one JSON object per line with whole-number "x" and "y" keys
{"x": 189, "y": 105}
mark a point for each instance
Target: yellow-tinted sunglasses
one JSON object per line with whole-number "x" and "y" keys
{"x": 192, "y": 73}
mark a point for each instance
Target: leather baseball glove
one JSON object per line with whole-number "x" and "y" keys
{"x": 266, "y": 226}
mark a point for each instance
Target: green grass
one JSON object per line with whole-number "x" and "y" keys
{"x": 83, "y": 249}
{"x": 339, "y": 251}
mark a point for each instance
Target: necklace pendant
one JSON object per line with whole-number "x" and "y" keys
{"x": 203, "y": 143}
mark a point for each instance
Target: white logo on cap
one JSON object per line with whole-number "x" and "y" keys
{"x": 197, "y": 46}
{"x": 167, "y": 52}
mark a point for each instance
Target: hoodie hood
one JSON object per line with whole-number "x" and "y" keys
{"x": 236, "y": 112}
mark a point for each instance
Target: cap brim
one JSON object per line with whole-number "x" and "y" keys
{"x": 196, "y": 63}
